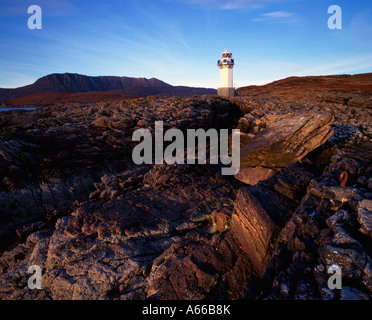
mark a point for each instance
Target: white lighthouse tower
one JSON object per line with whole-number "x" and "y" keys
{"x": 226, "y": 65}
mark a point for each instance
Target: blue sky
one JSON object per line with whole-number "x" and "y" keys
{"x": 180, "y": 41}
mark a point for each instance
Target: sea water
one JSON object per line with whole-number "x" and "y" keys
{"x": 7, "y": 109}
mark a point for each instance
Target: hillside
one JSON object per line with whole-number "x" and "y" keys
{"x": 348, "y": 89}
{"x": 76, "y": 83}
{"x": 47, "y": 99}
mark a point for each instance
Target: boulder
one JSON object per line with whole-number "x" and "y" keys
{"x": 192, "y": 267}
{"x": 256, "y": 222}
{"x": 287, "y": 140}
{"x": 253, "y": 228}
{"x": 253, "y": 175}
{"x": 365, "y": 217}
{"x": 221, "y": 219}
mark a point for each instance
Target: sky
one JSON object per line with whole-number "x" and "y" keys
{"x": 180, "y": 41}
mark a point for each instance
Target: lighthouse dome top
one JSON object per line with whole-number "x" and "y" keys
{"x": 226, "y": 54}
{"x": 226, "y": 60}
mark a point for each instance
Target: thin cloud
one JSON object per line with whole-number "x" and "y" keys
{"x": 278, "y": 14}
{"x": 277, "y": 17}
{"x": 236, "y": 4}
{"x": 229, "y": 4}
{"x": 350, "y": 64}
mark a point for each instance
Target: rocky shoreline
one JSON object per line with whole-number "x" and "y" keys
{"x": 100, "y": 227}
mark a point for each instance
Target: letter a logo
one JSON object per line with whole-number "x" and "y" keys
{"x": 34, "y": 22}
{"x": 335, "y": 280}
{"x": 335, "y": 21}
{"x": 34, "y": 282}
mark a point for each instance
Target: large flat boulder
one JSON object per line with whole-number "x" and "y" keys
{"x": 287, "y": 140}
{"x": 259, "y": 214}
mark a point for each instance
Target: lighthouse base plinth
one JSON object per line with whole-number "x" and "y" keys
{"x": 226, "y": 92}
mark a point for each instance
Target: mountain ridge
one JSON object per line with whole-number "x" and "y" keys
{"x": 74, "y": 83}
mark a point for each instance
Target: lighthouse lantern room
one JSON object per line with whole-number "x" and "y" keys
{"x": 226, "y": 64}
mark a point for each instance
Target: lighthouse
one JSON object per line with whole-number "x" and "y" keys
{"x": 226, "y": 65}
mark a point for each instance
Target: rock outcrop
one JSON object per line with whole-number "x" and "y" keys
{"x": 272, "y": 141}
{"x": 257, "y": 221}
{"x": 324, "y": 230}
{"x": 100, "y": 227}
{"x": 287, "y": 139}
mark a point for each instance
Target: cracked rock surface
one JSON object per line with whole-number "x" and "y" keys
{"x": 100, "y": 227}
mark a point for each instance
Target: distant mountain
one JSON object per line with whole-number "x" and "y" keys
{"x": 73, "y": 83}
